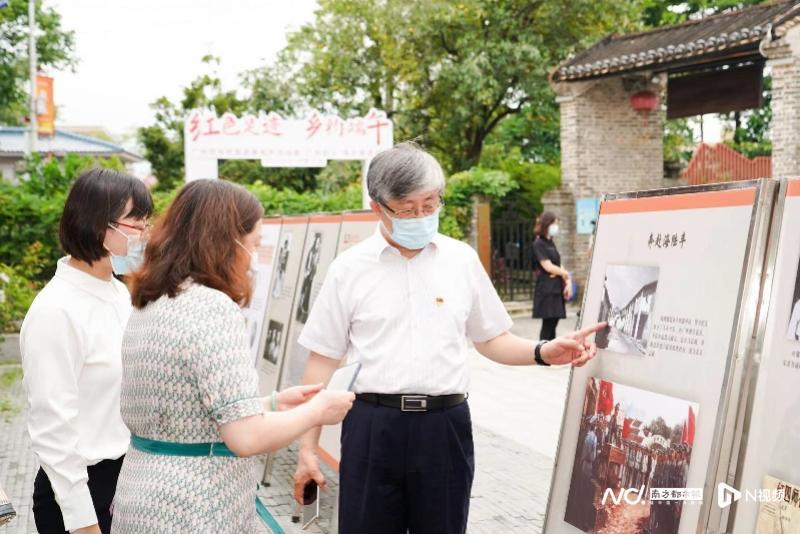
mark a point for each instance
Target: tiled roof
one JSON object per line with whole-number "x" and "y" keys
{"x": 731, "y": 33}
{"x": 13, "y": 142}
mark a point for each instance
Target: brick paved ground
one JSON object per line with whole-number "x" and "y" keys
{"x": 516, "y": 415}
{"x": 17, "y": 464}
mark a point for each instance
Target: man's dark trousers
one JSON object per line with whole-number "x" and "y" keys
{"x": 405, "y": 471}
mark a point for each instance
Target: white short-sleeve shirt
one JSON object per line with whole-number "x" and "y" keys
{"x": 408, "y": 321}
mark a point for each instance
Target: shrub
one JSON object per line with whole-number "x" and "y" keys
{"x": 30, "y": 211}
{"x": 459, "y": 192}
{"x": 17, "y": 291}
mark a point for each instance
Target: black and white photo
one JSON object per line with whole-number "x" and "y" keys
{"x": 281, "y": 263}
{"x": 629, "y": 295}
{"x": 273, "y": 345}
{"x": 793, "y": 332}
{"x": 309, "y": 272}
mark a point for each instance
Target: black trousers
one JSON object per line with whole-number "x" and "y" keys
{"x": 102, "y": 486}
{"x": 548, "y": 330}
{"x": 405, "y": 471}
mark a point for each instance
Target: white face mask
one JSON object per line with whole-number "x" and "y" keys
{"x": 553, "y": 231}
{"x": 133, "y": 258}
{"x": 414, "y": 234}
{"x": 253, "y": 258}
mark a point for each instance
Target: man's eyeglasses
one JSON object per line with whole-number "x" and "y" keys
{"x": 426, "y": 211}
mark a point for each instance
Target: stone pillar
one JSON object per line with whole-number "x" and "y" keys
{"x": 606, "y": 147}
{"x": 783, "y": 57}
{"x": 480, "y": 233}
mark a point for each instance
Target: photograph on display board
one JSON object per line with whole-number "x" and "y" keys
{"x": 252, "y": 332}
{"x": 629, "y": 438}
{"x": 793, "y": 331}
{"x": 309, "y": 272}
{"x": 780, "y": 516}
{"x": 281, "y": 263}
{"x": 273, "y": 345}
{"x": 629, "y": 295}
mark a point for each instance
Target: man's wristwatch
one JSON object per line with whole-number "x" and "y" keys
{"x": 537, "y": 353}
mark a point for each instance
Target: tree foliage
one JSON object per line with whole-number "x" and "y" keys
{"x": 678, "y": 141}
{"x": 657, "y": 13}
{"x": 461, "y": 188}
{"x": 455, "y": 75}
{"x": 533, "y": 179}
{"x": 448, "y": 72}
{"x": 54, "y": 48}
{"x": 30, "y": 211}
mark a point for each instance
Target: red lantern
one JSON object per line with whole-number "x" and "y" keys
{"x": 644, "y": 101}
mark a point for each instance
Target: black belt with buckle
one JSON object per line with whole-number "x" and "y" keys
{"x": 413, "y": 403}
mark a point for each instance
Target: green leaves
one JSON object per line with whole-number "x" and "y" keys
{"x": 54, "y": 47}
{"x": 448, "y": 72}
{"x": 678, "y": 141}
{"x": 289, "y": 202}
{"x": 17, "y": 288}
{"x": 30, "y": 212}
{"x": 460, "y": 190}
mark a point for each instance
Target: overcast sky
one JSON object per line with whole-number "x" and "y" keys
{"x": 133, "y": 51}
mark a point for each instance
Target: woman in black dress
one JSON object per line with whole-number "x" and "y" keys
{"x": 553, "y": 284}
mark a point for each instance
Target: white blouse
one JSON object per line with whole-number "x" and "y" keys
{"x": 71, "y": 343}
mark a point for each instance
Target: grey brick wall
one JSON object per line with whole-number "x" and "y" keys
{"x": 784, "y": 60}
{"x": 606, "y": 147}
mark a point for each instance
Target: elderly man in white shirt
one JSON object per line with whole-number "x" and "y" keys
{"x": 406, "y": 303}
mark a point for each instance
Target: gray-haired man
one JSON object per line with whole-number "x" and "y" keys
{"x": 406, "y": 303}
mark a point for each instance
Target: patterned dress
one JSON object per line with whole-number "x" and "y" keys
{"x": 186, "y": 370}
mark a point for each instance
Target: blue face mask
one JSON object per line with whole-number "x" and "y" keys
{"x": 415, "y": 234}
{"x": 122, "y": 265}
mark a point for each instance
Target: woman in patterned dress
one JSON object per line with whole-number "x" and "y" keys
{"x": 188, "y": 376}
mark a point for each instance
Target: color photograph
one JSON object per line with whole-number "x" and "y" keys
{"x": 629, "y": 295}
{"x": 629, "y": 438}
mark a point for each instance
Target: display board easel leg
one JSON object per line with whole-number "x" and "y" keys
{"x": 266, "y": 477}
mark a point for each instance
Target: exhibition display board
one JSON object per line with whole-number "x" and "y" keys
{"x": 306, "y": 247}
{"x": 356, "y": 227}
{"x": 770, "y": 429}
{"x": 281, "y": 296}
{"x": 318, "y": 253}
{"x": 256, "y": 311}
{"x": 671, "y": 274}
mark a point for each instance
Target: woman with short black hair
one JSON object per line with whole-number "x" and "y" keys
{"x": 71, "y": 342}
{"x": 553, "y": 284}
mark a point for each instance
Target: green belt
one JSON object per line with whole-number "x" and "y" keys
{"x": 166, "y": 448}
